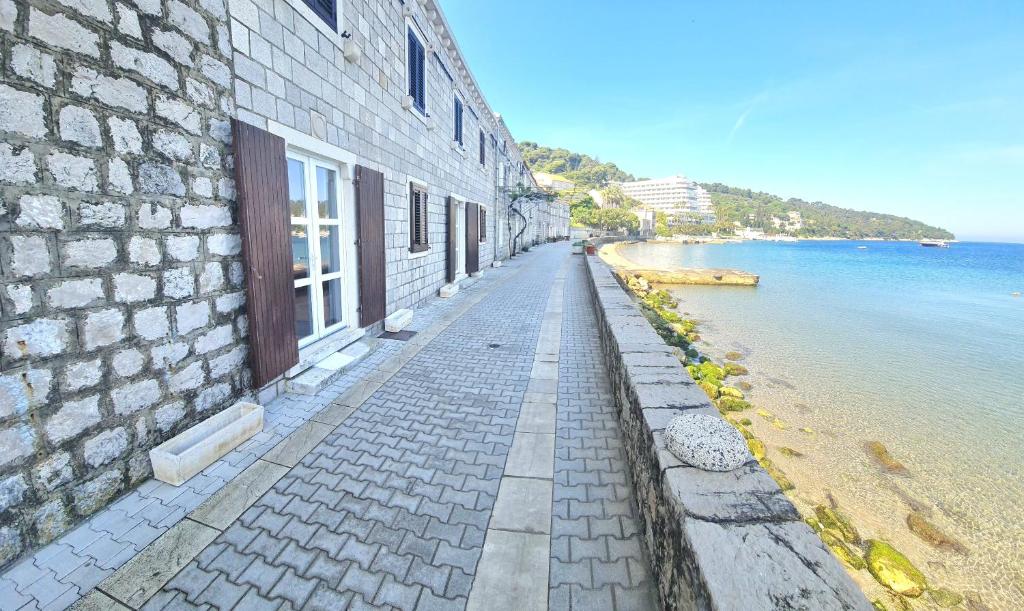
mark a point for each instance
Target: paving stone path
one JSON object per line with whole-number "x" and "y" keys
{"x": 467, "y": 471}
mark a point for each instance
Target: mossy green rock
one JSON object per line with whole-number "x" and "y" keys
{"x": 893, "y": 570}
{"x": 732, "y": 404}
{"x": 735, "y": 369}
{"x": 710, "y": 370}
{"x": 756, "y": 448}
{"x": 879, "y": 605}
{"x": 746, "y": 422}
{"x": 776, "y": 474}
{"x": 842, "y": 550}
{"x": 710, "y": 389}
{"x": 833, "y": 519}
{"x": 785, "y": 451}
{"x": 692, "y": 353}
{"x": 729, "y": 391}
{"x": 945, "y": 598}
{"x": 744, "y": 386}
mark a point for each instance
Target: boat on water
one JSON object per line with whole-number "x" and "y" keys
{"x": 935, "y": 243}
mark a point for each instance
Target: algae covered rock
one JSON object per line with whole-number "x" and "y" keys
{"x": 920, "y": 526}
{"x": 710, "y": 389}
{"x": 729, "y": 391}
{"x": 767, "y": 415}
{"x": 842, "y": 551}
{"x": 732, "y": 404}
{"x": 756, "y": 448}
{"x": 776, "y": 474}
{"x": 893, "y": 570}
{"x": 734, "y": 369}
{"x": 746, "y": 421}
{"x": 786, "y": 451}
{"x": 880, "y": 453}
{"x": 733, "y": 356}
{"x": 744, "y": 386}
{"x": 833, "y": 519}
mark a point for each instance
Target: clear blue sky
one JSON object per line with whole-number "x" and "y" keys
{"x": 912, "y": 108}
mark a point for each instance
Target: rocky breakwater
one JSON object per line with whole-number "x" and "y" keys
{"x": 680, "y": 275}
{"x": 719, "y": 539}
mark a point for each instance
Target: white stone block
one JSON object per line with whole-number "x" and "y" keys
{"x": 181, "y": 457}
{"x": 398, "y": 320}
{"x": 448, "y": 290}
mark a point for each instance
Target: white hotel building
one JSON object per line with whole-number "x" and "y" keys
{"x": 675, "y": 196}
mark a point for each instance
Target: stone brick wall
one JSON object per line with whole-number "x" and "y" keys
{"x": 718, "y": 540}
{"x": 120, "y": 311}
{"x": 292, "y": 72}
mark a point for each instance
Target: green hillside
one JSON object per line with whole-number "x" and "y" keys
{"x": 755, "y": 209}
{"x": 584, "y": 170}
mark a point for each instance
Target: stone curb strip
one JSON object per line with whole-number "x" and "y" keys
{"x": 513, "y": 570}
{"x": 132, "y": 585}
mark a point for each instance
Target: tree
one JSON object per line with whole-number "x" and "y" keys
{"x": 615, "y": 198}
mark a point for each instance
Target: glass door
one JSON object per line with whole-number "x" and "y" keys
{"x": 318, "y": 260}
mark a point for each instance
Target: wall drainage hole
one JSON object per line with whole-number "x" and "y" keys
{"x": 494, "y": 345}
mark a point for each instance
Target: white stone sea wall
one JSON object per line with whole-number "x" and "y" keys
{"x": 718, "y": 539}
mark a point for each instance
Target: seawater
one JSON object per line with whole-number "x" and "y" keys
{"x": 919, "y": 348}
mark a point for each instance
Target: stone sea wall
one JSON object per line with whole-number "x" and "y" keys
{"x": 718, "y": 540}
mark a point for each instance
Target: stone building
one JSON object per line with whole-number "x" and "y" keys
{"x": 128, "y": 244}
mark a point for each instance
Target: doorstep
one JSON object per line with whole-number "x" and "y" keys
{"x": 330, "y": 368}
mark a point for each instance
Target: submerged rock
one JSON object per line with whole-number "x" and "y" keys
{"x": 756, "y": 447}
{"x": 786, "y": 451}
{"x": 945, "y": 598}
{"x": 930, "y": 533}
{"x": 893, "y": 570}
{"x": 880, "y": 453}
{"x": 744, "y": 386}
{"x": 735, "y": 369}
{"x": 745, "y": 421}
{"x": 767, "y": 415}
{"x": 733, "y": 356}
{"x": 776, "y": 474}
{"x": 842, "y": 551}
{"x": 832, "y": 519}
{"x": 706, "y": 442}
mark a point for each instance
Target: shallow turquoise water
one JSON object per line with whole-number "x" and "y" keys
{"x": 921, "y": 348}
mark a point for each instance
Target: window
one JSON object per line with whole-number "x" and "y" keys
{"x": 483, "y": 148}
{"x": 458, "y": 120}
{"x": 417, "y": 73}
{"x": 483, "y": 224}
{"x": 418, "y": 228}
{"x": 326, "y": 10}
{"x": 317, "y": 258}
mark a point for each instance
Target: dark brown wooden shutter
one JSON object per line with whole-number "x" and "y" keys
{"x": 261, "y": 174}
{"x": 452, "y": 238}
{"x": 373, "y": 290}
{"x": 472, "y": 238}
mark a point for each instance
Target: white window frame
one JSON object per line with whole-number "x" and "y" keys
{"x": 409, "y": 182}
{"x": 410, "y": 25}
{"x": 317, "y": 21}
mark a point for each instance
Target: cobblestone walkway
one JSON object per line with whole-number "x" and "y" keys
{"x": 387, "y": 498}
{"x": 597, "y": 552}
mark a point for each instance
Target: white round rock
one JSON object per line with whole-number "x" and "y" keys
{"x": 706, "y": 442}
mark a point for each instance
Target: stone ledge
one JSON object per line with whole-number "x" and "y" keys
{"x": 717, "y": 540}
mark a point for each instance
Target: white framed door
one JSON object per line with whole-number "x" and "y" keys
{"x": 319, "y": 256}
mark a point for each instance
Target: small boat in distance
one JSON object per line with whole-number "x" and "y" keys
{"x": 935, "y": 243}
{"x": 862, "y": 248}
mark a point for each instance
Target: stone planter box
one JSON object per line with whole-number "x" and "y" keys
{"x": 178, "y": 459}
